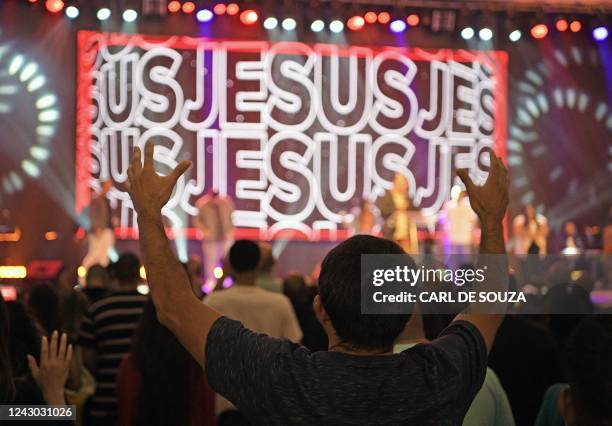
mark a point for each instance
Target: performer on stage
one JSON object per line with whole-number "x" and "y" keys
{"x": 101, "y": 238}
{"x": 460, "y": 223}
{"x": 530, "y": 232}
{"x": 214, "y": 220}
{"x": 396, "y": 211}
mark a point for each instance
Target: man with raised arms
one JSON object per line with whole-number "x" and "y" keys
{"x": 358, "y": 380}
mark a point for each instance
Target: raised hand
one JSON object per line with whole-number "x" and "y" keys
{"x": 148, "y": 190}
{"x": 489, "y": 201}
{"x": 52, "y": 373}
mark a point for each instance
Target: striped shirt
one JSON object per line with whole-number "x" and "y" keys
{"x": 108, "y": 327}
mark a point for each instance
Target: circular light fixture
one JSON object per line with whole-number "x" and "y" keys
{"x": 336, "y": 26}
{"x": 174, "y": 6}
{"x": 270, "y": 23}
{"x": 600, "y": 33}
{"x": 485, "y": 34}
{"x": 54, "y": 6}
{"x": 539, "y": 31}
{"x": 355, "y": 23}
{"x": 103, "y": 14}
{"x": 219, "y": 9}
{"x": 413, "y": 20}
{"x": 384, "y": 18}
{"x": 72, "y": 12}
{"x": 289, "y": 24}
{"x": 370, "y": 17}
{"x": 398, "y": 26}
{"x": 232, "y": 9}
{"x": 575, "y": 26}
{"x": 515, "y": 35}
{"x": 249, "y": 17}
{"x": 467, "y": 33}
{"x": 561, "y": 25}
{"x": 317, "y": 26}
{"x": 130, "y": 15}
{"x": 204, "y": 15}
{"x": 188, "y": 7}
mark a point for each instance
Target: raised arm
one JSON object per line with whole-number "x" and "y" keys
{"x": 177, "y": 307}
{"x": 490, "y": 202}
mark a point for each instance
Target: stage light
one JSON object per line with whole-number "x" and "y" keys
{"x": 219, "y": 9}
{"x": 397, "y": 26}
{"x": 103, "y": 14}
{"x": 232, "y": 9}
{"x": 383, "y": 18}
{"x": 249, "y": 17}
{"x": 129, "y": 15}
{"x": 575, "y": 26}
{"x": 270, "y": 23}
{"x": 317, "y": 26}
{"x": 32, "y": 1}
{"x": 54, "y": 6}
{"x": 12, "y": 272}
{"x": 204, "y": 15}
{"x": 81, "y": 271}
{"x": 142, "y": 273}
{"x": 467, "y": 33}
{"x": 413, "y": 20}
{"x": 561, "y": 25}
{"x": 72, "y": 12}
{"x": 174, "y": 6}
{"x": 485, "y": 34}
{"x": 515, "y": 36}
{"x": 188, "y": 7}
{"x": 50, "y": 235}
{"x": 370, "y": 17}
{"x": 355, "y": 23}
{"x": 336, "y": 26}
{"x": 143, "y": 289}
{"x": 600, "y": 33}
{"x": 289, "y": 24}
{"x": 218, "y": 272}
{"x": 539, "y": 31}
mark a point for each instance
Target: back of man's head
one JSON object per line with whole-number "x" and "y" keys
{"x": 97, "y": 277}
{"x": 340, "y": 291}
{"x": 589, "y": 370}
{"x": 127, "y": 269}
{"x": 244, "y": 256}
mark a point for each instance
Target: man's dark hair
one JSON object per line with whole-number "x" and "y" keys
{"x": 589, "y": 371}
{"x": 97, "y": 274}
{"x": 127, "y": 269}
{"x": 340, "y": 290}
{"x": 244, "y": 256}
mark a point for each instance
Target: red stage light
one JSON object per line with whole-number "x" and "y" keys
{"x": 561, "y": 25}
{"x": 249, "y": 17}
{"x": 32, "y": 1}
{"x": 539, "y": 31}
{"x": 384, "y": 18}
{"x": 413, "y": 20}
{"x": 355, "y": 23}
{"x": 188, "y": 7}
{"x": 370, "y": 17}
{"x": 174, "y": 6}
{"x": 232, "y": 9}
{"x": 575, "y": 26}
{"x": 54, "y": 6}
{"x": 219, "y": 9}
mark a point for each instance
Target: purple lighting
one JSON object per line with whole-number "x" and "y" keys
{"x": 204, "y": 15}
{"x": 398, "y": 26}
{"x": 600, "y": 33}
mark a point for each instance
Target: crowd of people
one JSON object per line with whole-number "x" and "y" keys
{"x": 296, "y": 350}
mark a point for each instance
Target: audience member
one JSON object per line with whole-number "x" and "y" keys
{"x": 301, "y": 297}
{"x": 566, "y": 305}
{"x": 265, "y": 277}
{"x": 585, "y": 399}
{"x": 43, "y": 303}
{"x": 72, "y": 303}
{"x": 97, "y": 283}
{"x": 276, "y": 381}
{"x": 106, "y": 337}
{"x": 159, "y": 383}
{"x": 527, "y": 361}
{"x": 260, "y": 310}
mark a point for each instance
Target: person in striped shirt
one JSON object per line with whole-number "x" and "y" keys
{"x": 106, "y": 337}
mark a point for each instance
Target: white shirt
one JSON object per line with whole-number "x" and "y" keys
{"x": 259, "y": 310}
{"x": 461, "y": 219}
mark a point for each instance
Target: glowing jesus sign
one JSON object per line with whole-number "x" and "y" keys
{"x": 295, "y": 133}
